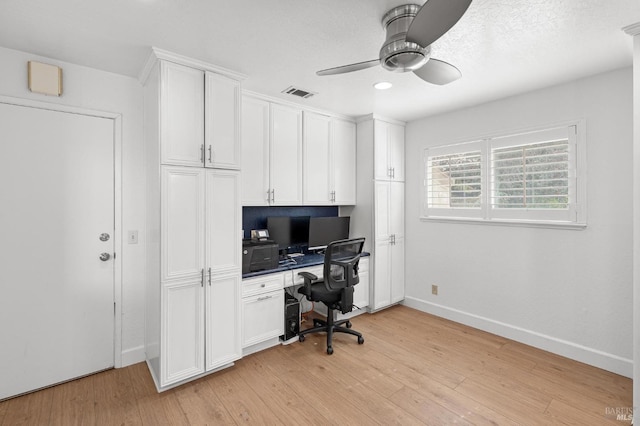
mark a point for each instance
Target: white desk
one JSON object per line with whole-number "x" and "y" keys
{"x": 263, "y": 303}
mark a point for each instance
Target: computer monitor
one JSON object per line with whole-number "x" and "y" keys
{"x": 279, "y": 228}
{"x": 299, "y": 231}
{"x": 288, "y": 231}
{"x": 324, "y": 230}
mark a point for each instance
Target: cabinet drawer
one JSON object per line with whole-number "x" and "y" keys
{"x": 315, "y": 270}
{"x": 264, "y": 284}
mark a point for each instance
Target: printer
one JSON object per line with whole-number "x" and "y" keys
{"x": 259, "y": 255}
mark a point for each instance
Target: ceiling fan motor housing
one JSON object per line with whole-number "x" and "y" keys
{"x": 396, "y": 53}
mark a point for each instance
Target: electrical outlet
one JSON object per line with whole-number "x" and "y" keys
{"x": 434, "y": 289}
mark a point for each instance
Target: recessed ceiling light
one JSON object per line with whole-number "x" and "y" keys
{"x": 382, "y": 85}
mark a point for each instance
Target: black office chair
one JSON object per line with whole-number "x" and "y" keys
{"x": 335, "y": 290}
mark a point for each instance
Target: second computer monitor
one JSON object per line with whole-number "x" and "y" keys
{"x": 324, "y": 230}
{"x": 290, "y": 232}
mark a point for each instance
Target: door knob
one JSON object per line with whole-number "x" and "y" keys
{"x": 104, "y": 237}
{"x": 105, "y": 256}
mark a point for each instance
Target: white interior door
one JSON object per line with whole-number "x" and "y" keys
{"x": 56, "y": 294}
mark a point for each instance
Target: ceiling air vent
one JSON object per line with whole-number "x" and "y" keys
{"x": 298, "y": 92}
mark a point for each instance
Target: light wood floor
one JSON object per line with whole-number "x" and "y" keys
{"x": 413, "y": 368}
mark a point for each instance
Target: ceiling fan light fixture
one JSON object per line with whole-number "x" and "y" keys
{"x": 397, "y": 54}
{"x": 400, "y": 56}
{"x": 383, "y": 85}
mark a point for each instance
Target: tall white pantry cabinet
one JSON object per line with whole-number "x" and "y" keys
{"x": 379, "y": 214}
{"x": 194, "y": 218}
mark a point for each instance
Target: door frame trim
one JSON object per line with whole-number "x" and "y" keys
{"x": 117, "y": 174}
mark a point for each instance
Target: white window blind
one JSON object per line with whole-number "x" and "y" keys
{"x": 534, "y": 176}
{"x": 454, "y": 180}
{"x": 528, "y": 177}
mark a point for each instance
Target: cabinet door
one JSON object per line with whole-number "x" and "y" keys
{"x": 182, "y": 115}
{"x": 361, "y": 290}
{"x": 223, "y": 221}
{"x": 223, "y": 320}
{"x": 262, "y": 317}
{"x": 182, "y": 223}
{"x": 286, "y": 155}
{"x": 397, "y": 270}
{"x": 182, "y": 343}
{"x": 395, "y": 137}
{"x": 315, "y": 164}
{"x": 343, "y": 162}
{"x": 381, "y": 275}
{"x": 396, "y": 209}
{"x": 382, "y": 201}
{"x": 255, "y": 152}
{"x": 381, "y": 150}
{"x": 222, "y": 122}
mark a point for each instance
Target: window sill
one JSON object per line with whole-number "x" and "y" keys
{"x": 507, "y": 222}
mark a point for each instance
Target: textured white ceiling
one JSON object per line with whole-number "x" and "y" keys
{"x": 502, "y": 47}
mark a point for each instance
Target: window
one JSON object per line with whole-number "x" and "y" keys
{"x": 524, "y": 178}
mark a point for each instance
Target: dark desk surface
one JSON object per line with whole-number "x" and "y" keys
{"x": 295, "y": 263}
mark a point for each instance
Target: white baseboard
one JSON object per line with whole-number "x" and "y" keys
{"x": 571, "y": 350}
{"x": 132, "y": 356}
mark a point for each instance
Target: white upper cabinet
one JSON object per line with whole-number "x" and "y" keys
{"x": 200, "y": 118}
{"x": 181, "y": 115}
{"x": 255, "y": 152}
{"x": 271, "y": 154}
{"x": 316, "y": 163}
{"x": 343, "y": 162}
{"x": 285, "y": 174}
{"x": 292, "y": 157}
{"x": 329, "y": 165}
{"x": 388, "y": 151}
{"x": 222, "y": 122}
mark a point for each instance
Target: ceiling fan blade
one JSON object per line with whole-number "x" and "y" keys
{"x": 349, "y": 68}
{"x": 434, "y": 19}
{"x": 438, "y": 72}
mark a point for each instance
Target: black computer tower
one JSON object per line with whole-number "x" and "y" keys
{"x": 291, "y": 317}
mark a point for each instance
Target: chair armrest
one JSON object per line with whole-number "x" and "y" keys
{"x": 308, "y": 276}
{"x": 308, "y": 279}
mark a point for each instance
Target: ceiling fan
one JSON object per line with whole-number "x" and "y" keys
{"x": 411, "y": 30}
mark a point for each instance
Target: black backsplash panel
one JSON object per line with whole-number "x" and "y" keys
{"x": 256, "y": 217}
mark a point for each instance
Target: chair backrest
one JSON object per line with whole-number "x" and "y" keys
{"x": 341, "y": 260}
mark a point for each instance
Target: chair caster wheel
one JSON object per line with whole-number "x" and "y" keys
{"x": 348, "y": 324}
{"x": 360, "y": 340}
{"x": 329, "y": 350}
{"x": 301, "y": 338}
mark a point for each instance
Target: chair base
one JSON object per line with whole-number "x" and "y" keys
{"x": 330, "y": 326}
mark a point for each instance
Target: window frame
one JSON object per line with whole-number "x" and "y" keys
{"x": 574, "y": 217}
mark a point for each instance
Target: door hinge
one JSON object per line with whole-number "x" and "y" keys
{"x": 114, "y": 309}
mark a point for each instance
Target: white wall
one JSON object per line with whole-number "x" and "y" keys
{"x": 567, "y": 291}
{"x": 97, "y": 90}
